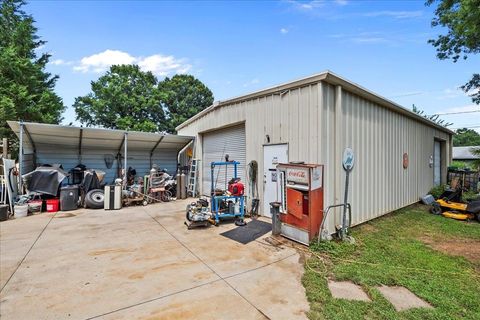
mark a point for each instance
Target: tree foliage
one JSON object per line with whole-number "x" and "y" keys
{"x": 183, "y": 97}
{"x": 434, "y": 117}
{"x": 461, "y": 18}
{"x": 476, "y": 163}
{"x": 128, "y": 98}
{"x": 124, "y": 98}
{"x": 466, "y": 137}
{"x": 26, "y": 89}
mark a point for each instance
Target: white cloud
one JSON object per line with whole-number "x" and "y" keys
{"x": 163, "y": 65}
{"x": 306, "y": 5}
{"x": 369, "y": 40}
{"x": 61, "y": 62}
{"x": 395, "y": 14}
{"x": 102, "y": 61}
{"x": 57, "y": 62}
{"x": 283, "y": 30}
{"x": 158, "y": 64}
{"x": 341, "y": 2}
{"x": 251, "y": 82}
{"x": 465, "y": 108}
{"x": 473, "y": 92}
{"x": 450, "y": 93}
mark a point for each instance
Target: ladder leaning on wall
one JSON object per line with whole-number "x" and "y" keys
{"x": 192, "y": 178}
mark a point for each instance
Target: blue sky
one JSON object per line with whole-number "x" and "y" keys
{"x": 238, "y": 47}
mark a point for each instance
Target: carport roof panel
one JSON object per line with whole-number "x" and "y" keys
{"x": 96, "y": 138}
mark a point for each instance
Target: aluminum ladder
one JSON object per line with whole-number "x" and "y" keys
{"x": 192, "y": 178}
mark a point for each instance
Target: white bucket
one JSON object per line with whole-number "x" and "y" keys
{"x": 21, "y": 211}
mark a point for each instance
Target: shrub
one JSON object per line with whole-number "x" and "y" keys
{"x": 438, "y": 190}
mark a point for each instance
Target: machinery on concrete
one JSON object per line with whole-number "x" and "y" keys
{"x": 230, "y": 203}
{"x": 227, "y": 203}
{"x": 198, "y": 214}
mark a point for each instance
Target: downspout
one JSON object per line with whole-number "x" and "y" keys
{"x": 80, "y": 147}
{"x": 20, "y": 159}
{"x": 33, "y": 146}
{"x": 338, "y": 144}
{"x": 183, "y": 150}
{"x": 125, "y": 139}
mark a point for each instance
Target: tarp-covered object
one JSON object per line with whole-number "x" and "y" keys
{"x": 45, "y": 180}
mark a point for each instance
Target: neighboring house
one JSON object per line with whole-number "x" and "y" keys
{"x": 313, "y": 120}
{"x": 465, "y": 154}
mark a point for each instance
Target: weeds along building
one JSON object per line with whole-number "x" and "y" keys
{"x": 399, "y": 155}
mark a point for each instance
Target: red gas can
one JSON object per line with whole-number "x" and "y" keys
{"x": 236, "y": 188}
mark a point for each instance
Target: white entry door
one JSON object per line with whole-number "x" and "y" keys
{"x": 272, "y": 155}
{"x": 437, "y": 164}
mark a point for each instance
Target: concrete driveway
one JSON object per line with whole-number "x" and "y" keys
{"x": 142, "y": 263}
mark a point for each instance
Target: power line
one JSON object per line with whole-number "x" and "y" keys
{"x": 459, "y": 112}
{"x": 467, "y": 127}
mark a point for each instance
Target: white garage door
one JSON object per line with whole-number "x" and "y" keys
{"x": 216, "y": 145}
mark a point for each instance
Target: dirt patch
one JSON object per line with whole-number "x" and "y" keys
{"x": 467, "y": 248}
{"x": 367, "y": 227}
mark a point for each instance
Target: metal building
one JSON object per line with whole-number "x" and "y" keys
{"x": 313, "y": 120}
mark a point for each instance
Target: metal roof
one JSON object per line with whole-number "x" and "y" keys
{"x": 37, "y": 134}
{"x": 464, "y": 153}
{"x": 328, "y": 77}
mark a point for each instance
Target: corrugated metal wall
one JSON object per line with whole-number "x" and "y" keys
{"x": 94, "y": 158}
{"x": 305, "y": 118}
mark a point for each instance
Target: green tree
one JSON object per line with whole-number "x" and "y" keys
{"x": 476, "y": 163}
{"x": 466, "y": 137}
{"x": 461, "y": 18}
{"x": 183, "y": 97}
{"x": 26, "y": 89}
{"x": 124, "y": 98}
{"x": 434, "y": 117}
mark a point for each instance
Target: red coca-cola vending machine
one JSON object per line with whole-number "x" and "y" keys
{"x": 300, "y": 192}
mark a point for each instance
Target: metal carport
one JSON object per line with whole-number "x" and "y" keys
{"x": 68, "y": 145}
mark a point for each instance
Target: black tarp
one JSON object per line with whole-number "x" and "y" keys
{"x": 45, "y": 180}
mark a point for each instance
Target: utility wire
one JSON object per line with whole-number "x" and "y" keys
{"x": 449, "y": 113}
{"x": 467, "y": 127}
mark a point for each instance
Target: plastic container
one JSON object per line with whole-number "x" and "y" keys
{"x": 68, "y": 198}
{"x": 3, "y": 212}
{"x": 20, "y": 210}
{"x": 52, "y": 205}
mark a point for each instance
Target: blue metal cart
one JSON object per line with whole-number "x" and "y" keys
{"x": 216, "y": 200}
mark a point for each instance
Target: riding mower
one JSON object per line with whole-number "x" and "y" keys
{"x": 451, "y": 205}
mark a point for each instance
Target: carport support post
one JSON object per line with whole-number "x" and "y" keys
{"x": 125, "y": 141}
{"x": 20, "y": 159}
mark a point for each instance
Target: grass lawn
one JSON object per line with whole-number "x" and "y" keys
{"x": 436, "y": 258}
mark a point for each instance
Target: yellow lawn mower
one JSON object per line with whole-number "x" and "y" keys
{"x": 450, "y": 205}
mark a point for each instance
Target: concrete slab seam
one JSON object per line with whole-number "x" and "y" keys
{"x": 30, "y": 249}
{"x": 261, "y": 267}
{"x": 153, "y": 299}
{"x": 249, "y": 302}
